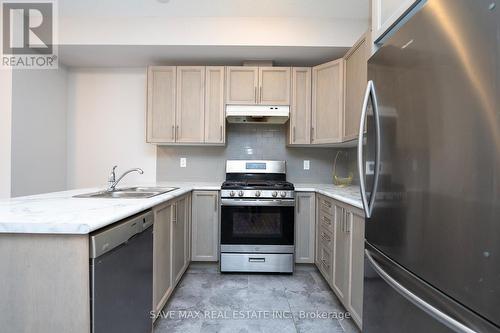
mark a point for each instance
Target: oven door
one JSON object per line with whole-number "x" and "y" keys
{"x": 263, "y": 222}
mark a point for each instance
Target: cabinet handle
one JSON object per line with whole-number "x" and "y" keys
{"x": 312, "y": 134}
{"x": 174, "y": 207}
{"x": 293, "y": 134}
{"x": 173, "y": 132}
{"x": 255, "y": 94}
{"x": 260, "y": 94}
{"x": 298, "y": 205}
{"x": 176, "y": 132}
{"x": 216, "y": 201}
{"x": 220, "y": 132}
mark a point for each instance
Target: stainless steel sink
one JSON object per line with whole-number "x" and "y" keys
{"x": 129, "y": 193}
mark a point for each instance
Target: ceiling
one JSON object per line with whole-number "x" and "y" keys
{"x": 344, "y": 9}
{"x": 139, "y": 56}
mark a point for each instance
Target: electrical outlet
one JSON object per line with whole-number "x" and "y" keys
{"x": 183, "y": 162}
{"x": 307, "y": 164}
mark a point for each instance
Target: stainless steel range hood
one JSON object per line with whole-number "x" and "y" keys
{"x": 258, "y": 114}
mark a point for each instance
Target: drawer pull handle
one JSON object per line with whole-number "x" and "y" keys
{"x": 256, "y": 259}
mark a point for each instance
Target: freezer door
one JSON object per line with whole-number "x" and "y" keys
{"x": 437, "y": 206}
{"x": 397, "y": 301}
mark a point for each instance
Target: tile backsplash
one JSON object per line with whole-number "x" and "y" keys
{"x": 246, "y": 141}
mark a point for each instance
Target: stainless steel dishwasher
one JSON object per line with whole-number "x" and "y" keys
{"x": 121, "y": 273}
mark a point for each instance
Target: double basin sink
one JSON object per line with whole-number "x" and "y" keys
{"x": 129, "y": 193}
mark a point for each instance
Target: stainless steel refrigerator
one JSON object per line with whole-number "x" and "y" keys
{"x": 430, "y": 175}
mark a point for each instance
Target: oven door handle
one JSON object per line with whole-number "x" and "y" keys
{"x": 260, "y": 202}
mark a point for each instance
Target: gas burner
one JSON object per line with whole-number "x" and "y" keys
{"x": 256, "y": 179}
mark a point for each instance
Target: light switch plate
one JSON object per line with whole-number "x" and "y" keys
{"x": 183, "y": 162}
{"x": 307, "y": 164}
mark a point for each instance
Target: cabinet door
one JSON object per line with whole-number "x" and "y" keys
{"x": 274, "y": 85}
{"x": 341, "y": 255}
{"x": 161, "y": 104}
{"x": 190, "y": 123}
{"x": 304, "y": 227}
{"x": 205, "y": 224}
{"x": 241, "y": 84}
{"x": 214, "y": 105}
{"x": 179, "y": 230}
{"x": 356, "y": 231}
{"x": 300, "y": 113}
{"x": 385, "y": 13}
{"x": 162, "y": 278}
{"x": 355, "y": 85}
{"x": 327, "y": 102}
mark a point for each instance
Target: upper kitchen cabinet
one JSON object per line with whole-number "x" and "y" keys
{"x": 327, "y": 102}
{"x": 249, "y": 85}
{"x": 189, "y": 114}
{"x": 355, "y": 84}
{"x": 214, "y": 105}
{"x": 386, "y": 13}
{"x": 241, "y": 84}
{"x": 185, "y": 105}
{"x": 161, "y": 104}
{"x": 274, "y": 85}
{"x": 300, "y": 108}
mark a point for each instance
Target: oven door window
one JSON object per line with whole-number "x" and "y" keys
{"x": 257, "y": 225}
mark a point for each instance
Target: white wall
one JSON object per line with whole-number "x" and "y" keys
{"x": 252, "y": 31}
{"x": 106, "y": 126}
{"x": 38, "y": 131}
{"x": 5, "y": 131}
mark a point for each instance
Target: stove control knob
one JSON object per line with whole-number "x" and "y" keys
{"x": 275, "y": 194}
{"x": 240, "y": 193}
{"x": 283, "y": 194}
{"x": 257, "y": 193}
{"x": 232, "y": 193}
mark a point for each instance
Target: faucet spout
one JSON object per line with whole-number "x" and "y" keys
{"x": 112, "y": 184}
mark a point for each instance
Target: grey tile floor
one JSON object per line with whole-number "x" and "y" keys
{"x": 207, "y": 301}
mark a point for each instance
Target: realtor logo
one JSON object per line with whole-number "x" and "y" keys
{"x": 28, "y": 34}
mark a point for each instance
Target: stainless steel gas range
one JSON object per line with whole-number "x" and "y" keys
{"x": 257, "y": 223}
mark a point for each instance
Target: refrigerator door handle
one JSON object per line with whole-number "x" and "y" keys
{"x": 417, "y": 301}
{"x": 368, "y": 206}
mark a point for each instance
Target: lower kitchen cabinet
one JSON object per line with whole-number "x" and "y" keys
{"x": 180, "y": 230}
{"x": 341, "y": 257}
{"x": 340, "y": 233}
{"x": 356, "y": 272}
{"x": 304, "y": 227}
{"x": 171, "y": 247}
{"x": 162, "y": 261}
{"x": 205, "y": 226}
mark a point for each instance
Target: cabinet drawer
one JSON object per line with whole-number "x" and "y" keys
{"x": 325, "y": 262}
{"x": 326, "y": 205}
{"x": 326, "y": 221}
{"x": 325, "y": 238}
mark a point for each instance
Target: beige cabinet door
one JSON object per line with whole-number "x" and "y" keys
{"x": 385, "y": 13}
{"x": 300, "y": 111}
{"x": 356, "y": 231}
{"x": 161, "y": 104}
{"x": 341, "y": 255}
{"x": 355, "y": 85}
{"x": 327, "y": 102}
{"x": 179, "y": 230}
{"x": 190, "y": 122}
{"x": 305, "y": 216}
{"x": 205, "y": 226}
{"x": 242, "y": 84}
{"x": 274, "y": 85}
{"x": 215, "y": 122}
{"x": 162, "y": 277}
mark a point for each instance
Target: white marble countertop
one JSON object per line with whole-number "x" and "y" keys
{"x": 349, "y": 194}
{"x": 61, "y": 213}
